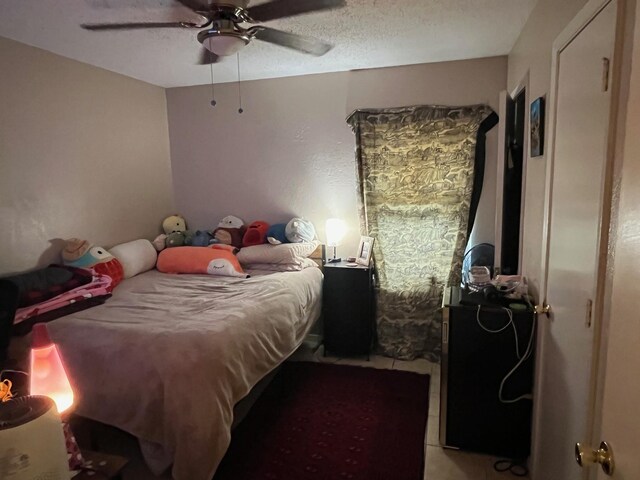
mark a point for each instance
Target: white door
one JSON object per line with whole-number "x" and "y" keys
{"x": 620, "y": 416}
{"x": 581, "y": 108}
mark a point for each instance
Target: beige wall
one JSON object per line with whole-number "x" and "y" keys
{"x": 291, "y": 152}
{"x": 532, "y": 54}
{"x": 83, "y": 152}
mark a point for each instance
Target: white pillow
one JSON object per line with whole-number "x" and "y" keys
{"x": 136, "y": 257}
{"x": 285, "y": 253}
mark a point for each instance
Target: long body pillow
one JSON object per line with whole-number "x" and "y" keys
{"x": 136, "y": 257}
{"x": 286, "y": 253}
{"x": 211, "y": 261}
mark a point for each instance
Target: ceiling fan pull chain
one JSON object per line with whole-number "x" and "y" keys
{"x": 213, "y": 89}
{"x": 240, "y": 110}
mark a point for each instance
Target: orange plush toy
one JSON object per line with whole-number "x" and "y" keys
{"x": 207, "y": 260}
{"x": 256, "y": 234}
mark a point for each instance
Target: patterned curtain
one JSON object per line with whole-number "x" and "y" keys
{"x": 416, "y": 180}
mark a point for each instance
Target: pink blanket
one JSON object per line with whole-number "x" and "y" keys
{"x": 99, "y": 285}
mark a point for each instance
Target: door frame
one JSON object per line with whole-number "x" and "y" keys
{"x": 600, "y": 320}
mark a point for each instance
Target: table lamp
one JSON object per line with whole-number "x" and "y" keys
{"x": 336, "y": 230}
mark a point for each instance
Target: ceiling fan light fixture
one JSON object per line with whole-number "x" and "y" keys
{"x": 223, "y": 44}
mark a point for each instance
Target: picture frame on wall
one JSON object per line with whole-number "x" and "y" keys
{"x": 536, "y": 126}
{"x": 365, "y": 250}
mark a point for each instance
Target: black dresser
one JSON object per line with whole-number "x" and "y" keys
{"x": 348, "y": 308}
{"x": 475, "y": 362}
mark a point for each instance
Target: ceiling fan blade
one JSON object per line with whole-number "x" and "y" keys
{"x": 291, "y": 40}
{"x": 135, "y": 26}
{"x": 207, "y": 57}
{"x": 288, "y": 8}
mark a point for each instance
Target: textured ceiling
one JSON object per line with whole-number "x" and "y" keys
{"x": 367, "y": 34}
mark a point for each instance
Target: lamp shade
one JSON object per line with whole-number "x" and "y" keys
{"x": 225, "y": 45}
{"x": 48, "y": 376}
{"x": 336, "y": 230}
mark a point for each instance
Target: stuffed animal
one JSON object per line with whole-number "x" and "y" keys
{"x": 80, "y": 253}
{"x": 231, "y": 221}
{"x": 202, "y": 238}
{"x": 276, "y": 234}
{"x": 175, "y": 233}
{"x": 299, "y": 230}
{"x": 174, "y": 223}
{"x": 256, "y": 234}
{"x": 160, "y": 242}
{"x": 212, "y": 261}
{"x": 175, "y": 239}
{"x": 230, "y": 231}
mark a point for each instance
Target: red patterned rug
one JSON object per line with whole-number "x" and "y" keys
{"x": 325, "y": 422}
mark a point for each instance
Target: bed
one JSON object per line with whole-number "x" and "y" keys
{"x": 168, "y": 357}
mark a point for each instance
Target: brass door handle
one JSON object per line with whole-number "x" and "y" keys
{"x": 586, "y": 456}
{"x": 542, "y": 309}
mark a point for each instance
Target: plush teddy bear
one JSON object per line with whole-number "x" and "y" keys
{"x": 230, "y": 231}
{"x": 80, "y": 253}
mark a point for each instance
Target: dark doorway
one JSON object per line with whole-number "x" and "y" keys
{"x": 512, "y": 186}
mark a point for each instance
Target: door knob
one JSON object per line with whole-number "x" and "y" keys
{"x": 543, "y": 309}
{"x": 586, "y": 456}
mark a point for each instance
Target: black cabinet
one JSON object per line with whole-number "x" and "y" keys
{"x": 478, "y": 356}
{"x": 348, "y": 309}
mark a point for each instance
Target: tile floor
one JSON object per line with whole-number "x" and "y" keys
{"x": 441, "y": 464}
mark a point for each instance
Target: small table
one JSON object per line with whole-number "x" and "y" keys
{"x": 106, "y": 466}
{"x": 348, "y": 308}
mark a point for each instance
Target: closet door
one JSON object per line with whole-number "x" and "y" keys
{"x": 578, "y": 219}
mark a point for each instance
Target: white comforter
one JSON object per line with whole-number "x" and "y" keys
{"x": 169, "y": 356}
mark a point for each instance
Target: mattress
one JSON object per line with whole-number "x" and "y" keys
{"x": 168, "y": 357}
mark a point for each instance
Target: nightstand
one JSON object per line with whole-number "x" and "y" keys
{"x": 348, "y": 308}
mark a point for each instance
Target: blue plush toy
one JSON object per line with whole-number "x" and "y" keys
{"x": 202, "y": 238}
{"x": 276, "y": 234}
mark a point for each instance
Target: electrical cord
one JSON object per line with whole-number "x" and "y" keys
{"x": 521, "y": 358}
{"x": 524, "y": 358}
{"x": 5, "y": 385}
{"x": 8, "y": 370}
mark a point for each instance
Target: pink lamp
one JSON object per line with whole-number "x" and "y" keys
{"x": 48, "y": 376}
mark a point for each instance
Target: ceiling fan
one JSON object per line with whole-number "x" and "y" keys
{"x": 221, "y": 30}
